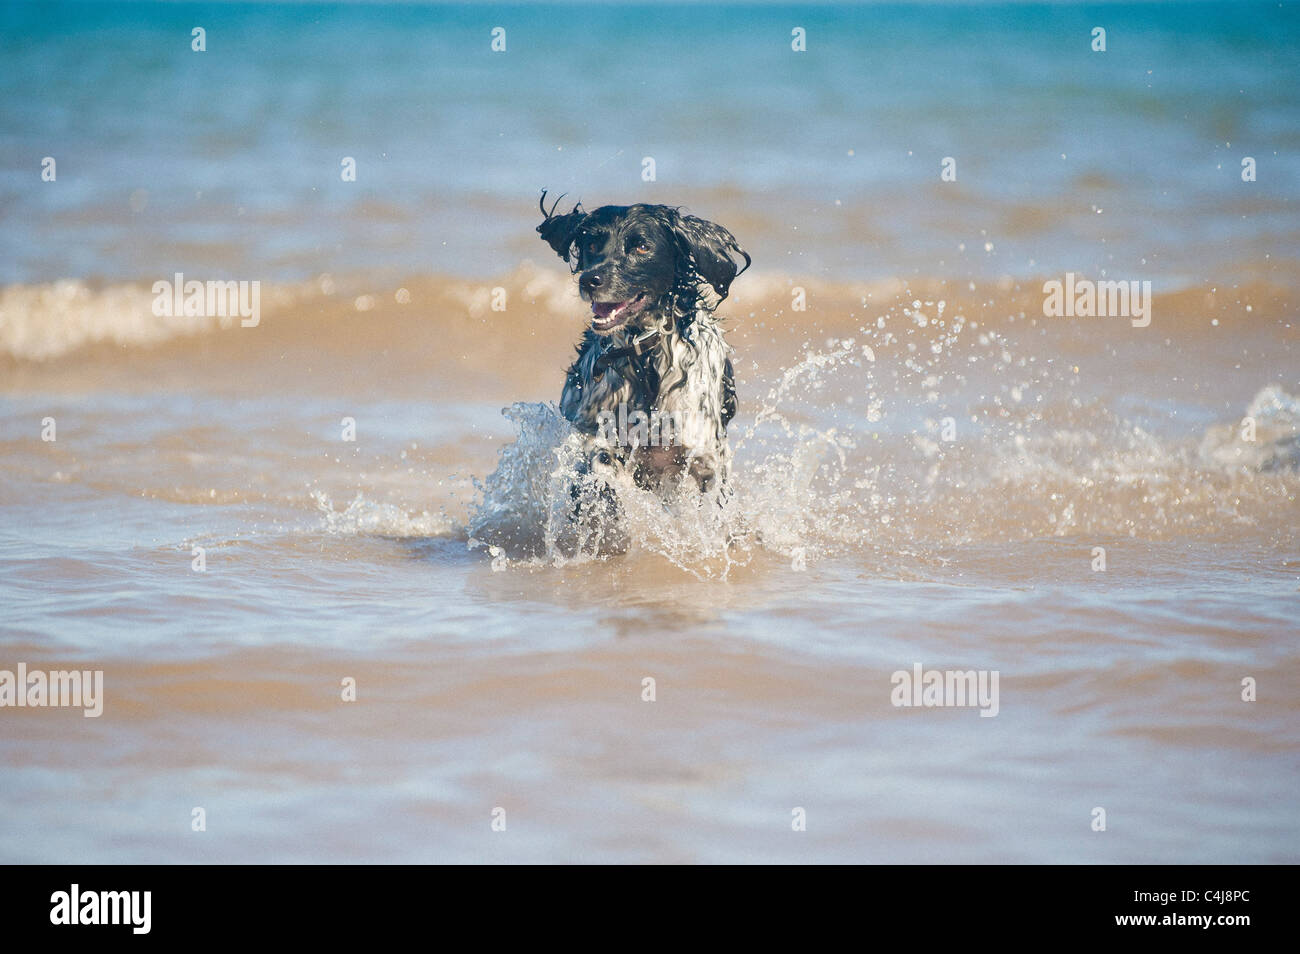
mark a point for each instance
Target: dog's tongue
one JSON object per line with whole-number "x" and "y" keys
{"x": 603, "y": 309}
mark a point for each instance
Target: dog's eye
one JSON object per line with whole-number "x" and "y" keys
{"x": 640, "y": 246}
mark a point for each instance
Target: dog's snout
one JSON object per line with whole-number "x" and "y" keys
{"x": 590, "y": 281}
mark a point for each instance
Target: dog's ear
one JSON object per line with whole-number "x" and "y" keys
{"x": 708, "y": 248}
{"x": 558, "y": 231}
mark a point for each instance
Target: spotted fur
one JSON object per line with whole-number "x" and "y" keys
{"x": 669, "y": 360}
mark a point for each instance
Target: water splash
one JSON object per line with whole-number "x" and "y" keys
{"x": 788, "y": 495}
{"x": 363, "y": 517}
{"x": 926, "y": 432}
{"x": 816, "y": 477}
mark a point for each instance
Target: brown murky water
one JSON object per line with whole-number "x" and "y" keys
{"x": 490, "y": 680}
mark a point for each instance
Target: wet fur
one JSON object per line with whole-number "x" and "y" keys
{"x": 685, "y": 272}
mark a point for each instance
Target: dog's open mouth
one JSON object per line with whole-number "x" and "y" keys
{"x": 608, "y": 315}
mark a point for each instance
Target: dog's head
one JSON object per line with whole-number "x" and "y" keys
{"x": 631, "y": 260}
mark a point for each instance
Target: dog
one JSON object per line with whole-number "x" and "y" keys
{"x": 653, "y": 355}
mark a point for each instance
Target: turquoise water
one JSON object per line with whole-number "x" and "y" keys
{"x": 828, "y": 160}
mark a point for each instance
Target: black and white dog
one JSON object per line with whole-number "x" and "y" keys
{"x": 653, "y": 354}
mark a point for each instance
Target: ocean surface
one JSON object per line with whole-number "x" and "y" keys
{"x": 241, "y": 525}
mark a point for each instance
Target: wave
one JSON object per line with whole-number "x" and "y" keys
{"x": 67, "y": 319}
{"x": 888, "y": 419}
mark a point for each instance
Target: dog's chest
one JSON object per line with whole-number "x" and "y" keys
{"x": 681, "y": 376}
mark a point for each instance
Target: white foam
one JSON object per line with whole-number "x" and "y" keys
{"x": 40, "y": 322}
{"x": 368, "y": 517}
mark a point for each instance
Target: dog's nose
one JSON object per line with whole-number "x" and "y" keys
{"x": 589, "y": 281}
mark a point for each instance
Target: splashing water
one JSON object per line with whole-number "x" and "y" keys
{"x": 817, "y": 475}
{"x": 788, "y": 496}
{"x": 363, "y": 517}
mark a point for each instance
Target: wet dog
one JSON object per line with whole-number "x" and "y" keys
{"x": 652, "y": 388}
